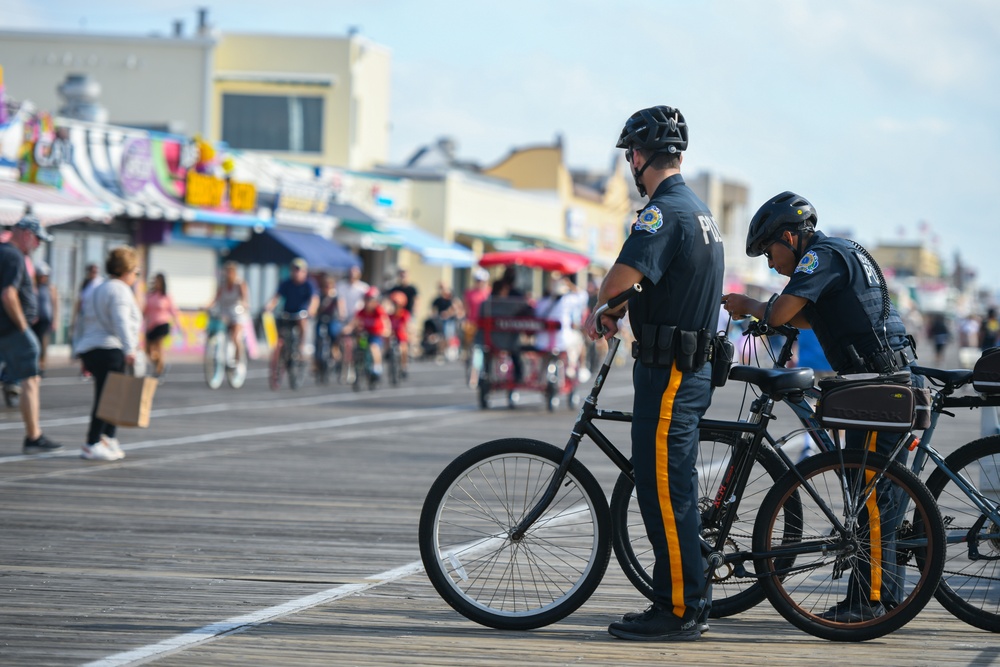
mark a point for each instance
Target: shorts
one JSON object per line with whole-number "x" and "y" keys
{"x": 159, "y": 332}
{"x": 333, "y": 327}
{"x": 375, "y": 340}
{"x": 19, "y": 351}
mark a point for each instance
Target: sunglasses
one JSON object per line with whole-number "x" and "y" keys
{"x": 767, "y": 252}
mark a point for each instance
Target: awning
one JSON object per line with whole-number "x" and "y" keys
{"x": 366, "y": 235}
{"x": 348, "y": 214}
{"x": 529, "y": 241}
{"x": 280, "y": 246}
{"x": 433, "y": 249}
{"x": 496, "y": 242}
{"x": 49, "y": 205}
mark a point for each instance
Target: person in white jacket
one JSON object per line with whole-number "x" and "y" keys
{"x": 106, "y": 339}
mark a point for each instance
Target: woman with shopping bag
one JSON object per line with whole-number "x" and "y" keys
{"x": 106, "y": 339}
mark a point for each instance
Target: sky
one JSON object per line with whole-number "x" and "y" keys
{"x": 885, "y": 114}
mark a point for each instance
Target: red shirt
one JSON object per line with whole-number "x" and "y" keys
{"x": 373, "y": 321}
{"x": 473, "y": 300}
{"x": 399, "y": 321}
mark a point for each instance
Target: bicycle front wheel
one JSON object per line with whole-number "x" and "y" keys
{"x": 236, "y": 363}
{"x": 866, "y": 582}
{"x": 277, "y": 368}
{"x": 492, "y": 579}
{"x": 970, "y": 585}
{"x": 734, "y": 590}
{"x": 215, "y": 360}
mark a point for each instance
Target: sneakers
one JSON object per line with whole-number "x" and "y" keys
{"x": 97, "y": 452}
{"x": 112, "y": 444}
{"x": 853, "y": 611}
{"x": 656, "y": 624}
{"x": 631, "y": 616}
{"x": 40, "y": 446}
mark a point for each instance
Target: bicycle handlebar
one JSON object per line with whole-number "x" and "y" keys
{"x": 614, "y": 302}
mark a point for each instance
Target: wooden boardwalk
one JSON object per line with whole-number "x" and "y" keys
{"x": 245, "y": 528}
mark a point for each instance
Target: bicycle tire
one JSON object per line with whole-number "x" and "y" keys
{"x": 277, "y": 367}
{"x": 215, "y": 361}
{"x": 732, "y": 593}
{"x": 500, "y": 583}
{"x": 236, "y": 374}
{"x": 819, "y": 580}
{"x": 322, "y": 358}
{"x": 970, "y": 588}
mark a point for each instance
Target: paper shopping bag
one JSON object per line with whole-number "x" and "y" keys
{"x": 127, "y": 400}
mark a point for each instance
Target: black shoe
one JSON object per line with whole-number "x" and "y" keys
{"x": 631, "y": 616}
{"x": 853, "y": 611}
{"x": 656, "y": 624}
{"x": 40, "y": 446}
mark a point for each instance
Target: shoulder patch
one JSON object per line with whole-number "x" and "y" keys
{"x": 808, "y": 263}
{"x": 649, "y": 220}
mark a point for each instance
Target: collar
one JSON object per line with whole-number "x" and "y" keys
{"x": 669, "y": 183}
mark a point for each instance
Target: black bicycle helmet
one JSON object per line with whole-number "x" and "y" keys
{"x": 659, "y": 129}
{"x": 785, "y": 211}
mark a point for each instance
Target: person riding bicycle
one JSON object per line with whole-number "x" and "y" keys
{"x": 297, "y": 294}
{"x": 231, "y": 302}
{"x": 399, "y": 321}
{"x": 675, "y": 252}
{"x": 372, "y": 320}
{"x": 835, "y": 288}
{"x": 331, "y": 315}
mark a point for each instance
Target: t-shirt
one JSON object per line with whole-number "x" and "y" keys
{"x": 13, "y": 272}
{"x": 441, "y": 304}
{"x": 399, "y": 321}
{"x": 473, "y": 300}
{"x": 353, "y": 295}
{"x": 296, "y": 295}
{"x": 373, "y": 321}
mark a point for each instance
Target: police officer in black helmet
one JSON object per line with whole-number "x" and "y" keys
{"x": 836, "y": 288}
{"x": 675, "y": 251}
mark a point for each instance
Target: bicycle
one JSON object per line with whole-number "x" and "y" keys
{"x": 287, "y": 356}
{"x": 968, "y": 588}
{"x": 393, "y": 360}
{"x": 517, "y": 533}
{"x": 322, "y": 352}
{"x": 364, "y": 365}
{"x": 224, "y": 360}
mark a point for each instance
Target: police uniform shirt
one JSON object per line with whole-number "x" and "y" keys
{"x": 844, "y": 297}
{"x": 675, "y": 244}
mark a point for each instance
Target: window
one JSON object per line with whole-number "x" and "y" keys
{"x": 273, "y": 123}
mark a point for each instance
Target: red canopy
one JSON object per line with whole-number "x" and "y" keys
{"x": 546, "y": 259}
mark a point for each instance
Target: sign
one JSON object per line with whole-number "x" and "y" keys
{"x": 137, "y": 165}
{"x": 305, "y": 198}
{"x": 242, "y": 196}
{"x": 204, "y": 190}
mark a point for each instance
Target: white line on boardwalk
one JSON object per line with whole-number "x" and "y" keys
{"x": 247, "y": 621}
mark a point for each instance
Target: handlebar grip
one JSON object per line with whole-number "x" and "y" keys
{"x": 614, "y": 302}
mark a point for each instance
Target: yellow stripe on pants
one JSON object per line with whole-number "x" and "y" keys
{"x": 875, "y": 530}
{"x": 663, "y": 491}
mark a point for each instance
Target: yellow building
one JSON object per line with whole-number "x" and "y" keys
{"x": 908, "y": 259}
{"x": 319, "y": 100}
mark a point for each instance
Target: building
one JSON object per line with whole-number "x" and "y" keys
{"x": 319, "y": 100}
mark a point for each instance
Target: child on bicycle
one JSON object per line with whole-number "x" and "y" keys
{"x": 399, "y": 320}
{"x": 330, "y": 317}
{"x": 373, "y": 321}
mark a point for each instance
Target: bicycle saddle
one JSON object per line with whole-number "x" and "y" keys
{"x": 955, "y": 378}
{"x": 774, "y": 381}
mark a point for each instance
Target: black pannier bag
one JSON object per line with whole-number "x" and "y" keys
{"x": 986, "y": 372}
{"x": 868, "y": 403}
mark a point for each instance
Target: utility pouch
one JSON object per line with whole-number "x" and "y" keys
{"x": 656, "y": 347}
{"x": 686, "y": 352}
{"x": 723, "y": 352}
{"x": 986, "y": 372}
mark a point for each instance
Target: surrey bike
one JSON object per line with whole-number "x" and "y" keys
{"x": 287, "y": 354}
{"x": 970, "y": 583}
{"x": 225, "y": 359}
{"x": 517, "y": 534}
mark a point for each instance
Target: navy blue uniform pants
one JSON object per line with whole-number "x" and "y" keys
{"x": 667, "y": 407}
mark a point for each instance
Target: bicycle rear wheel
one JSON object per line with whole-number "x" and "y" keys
{"x": 499, "y": 582}
{"x": 970, "y": 585}
{"x": 903, "y": 565}
{"x": 215, "y": 360}
{"x": 734, "y": 590}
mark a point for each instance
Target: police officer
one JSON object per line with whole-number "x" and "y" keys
{"x": 837, "y": 289}
{"x": 675, "y": 251}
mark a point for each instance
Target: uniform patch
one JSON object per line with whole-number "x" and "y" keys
{"x": 650, "y": 220}
{"x": 808, "y": 263}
